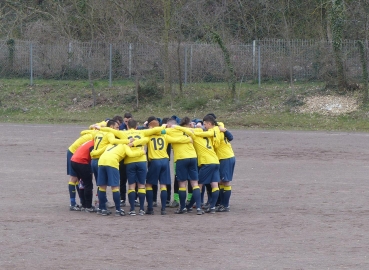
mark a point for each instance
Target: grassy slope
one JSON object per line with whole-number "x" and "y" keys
{"x": 270, "y": 107}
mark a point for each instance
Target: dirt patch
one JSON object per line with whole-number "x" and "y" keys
{"x": 329, "y": 105}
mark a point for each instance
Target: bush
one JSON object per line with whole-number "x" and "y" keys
{"x": 150, "y": 90}
{"x": 196, "y": 103}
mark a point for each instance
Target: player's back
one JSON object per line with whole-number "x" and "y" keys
{"x": 137, "y": 135}
{"x": 81, "y": 140}
{"x": 204, "y": 148}
{"x": 181, "y": 150}
{"x": 157, "y": 147}
{"x": 224, "y": 150}
{"x": 82, "y": 154}
{"x": 113, "y": 154}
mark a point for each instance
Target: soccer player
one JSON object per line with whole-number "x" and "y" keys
{"x": 158, "y": 168}
{"x": 102, "y": 139}
{"x": 126, "y": 118}
{"x": 109, "y": 174}
{"x": 186, "y": 161}
{"x": 136, "y": 166}
{"x": 208, "y": 162}
{"x": 227, "y": 163}
{"x": 86, "y": 135}
{"x": 80, "y": 163}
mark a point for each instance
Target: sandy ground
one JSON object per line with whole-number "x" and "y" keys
{"x": 299, "y": 201}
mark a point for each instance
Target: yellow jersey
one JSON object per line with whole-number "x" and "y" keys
{"x": 88, "y": 136}
{"x": 203, "y": 142}
{"x": 141, "y": 139}
{"x": 224, "y": 150}
{"x": 181, "y": 150}
{"x": 158, "y": 144}
{"x": 115, "y": 153}
{"x": 102, "y": 139}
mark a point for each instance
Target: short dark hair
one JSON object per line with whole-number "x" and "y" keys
{"x": 127, "y": 115}
{"x": 118, "y": 118}
{"x": 211, "y": 119}
{"x": 165, "y": 120}
{"x": 111, "y": 123}
{"x": 185, "y": 121}
{"x": 151, "y": 118}
{"x": 132, "y": 123}
{"x": 213, "y": 115}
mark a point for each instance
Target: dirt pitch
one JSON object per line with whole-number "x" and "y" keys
{"x": 299, "y": 201}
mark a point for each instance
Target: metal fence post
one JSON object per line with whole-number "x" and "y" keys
{"x": 191, "y": 52}
{"x": 130, "y": 60}
{"x": 259, "y": 65}
{"x": 253, "y": 58}
{"x": 110, "y": 63}
{"x": 31, "y": 64}
{"x": 185, "y": 66}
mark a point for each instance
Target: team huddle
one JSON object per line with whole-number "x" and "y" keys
{"x": 119, "y": 153}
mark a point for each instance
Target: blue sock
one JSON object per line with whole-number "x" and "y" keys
{"x": 116, "y": 199}
{"x": 149, "y": 197}
{"x": 214, "y": 197}
{"x": 72, "y": 193}
{"x": 102, "y": 199}
{"x": 163, "y": 197}
{"x": 221, "y": 192}
{"x": 182, "y": 197}
{"x": 202, "y": 193}
{"x": 196, "y": 196}
{"x": 227, "y": 195}
{"x": 141, "y": 197}
{"x": 131, "y": 199}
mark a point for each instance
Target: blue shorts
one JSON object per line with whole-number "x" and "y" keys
{"x": 226, "y": 169}
{"x": 158, "y": 170}
{"x": 108, "y": 176}
{"x": 186, "y": 169}
{"x": 136, "y": 172}
{"x": 70, "y": 170}
{"x": 95, "y": 167}
{"x": 209, "y": 173}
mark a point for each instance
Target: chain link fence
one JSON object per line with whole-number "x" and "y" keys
{"x": 189, "y": 63}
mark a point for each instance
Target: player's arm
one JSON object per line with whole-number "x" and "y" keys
{"x": 131, "y": 153}
{"x": 152, "y": 131}
{"x": 187, "y": 131}
{"x": 178, "y": 139}
{"x": 94, "y": 153}
{"x": 87, "y": 131}
{"x": 101, "y": 124}
{"x": 201, "y": 133}
{"x": 112, "y": 140}
{"x": 117, "y": 133}
{"x": 228, "y": 135}
{"x": 140, "y": 142}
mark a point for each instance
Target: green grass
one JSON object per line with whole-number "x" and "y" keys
{"x": 271, "y": 106}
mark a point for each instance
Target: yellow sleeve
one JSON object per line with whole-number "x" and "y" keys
{"x": 178, "y": 139}
{"x": 113, "y": 140}
{"x": 87, "y": 131}
{"x": 116, "y": 133}
{"x": 202, "y": 133}
{"x": 97, "y": 153}
{"x": 101, "y": 124}
{"x": 142, "y": 141}
{"x": 152, "y": 131}
{"x": 131, "y": 153}
{"x": 185, "y": 130}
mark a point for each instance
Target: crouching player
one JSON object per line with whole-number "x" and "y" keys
{"x": 108, "y": 174}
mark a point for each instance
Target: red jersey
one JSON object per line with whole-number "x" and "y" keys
{"x": 82, "y": 154}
